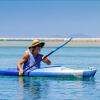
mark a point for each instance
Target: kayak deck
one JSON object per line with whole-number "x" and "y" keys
{"x": 52, "y": 71}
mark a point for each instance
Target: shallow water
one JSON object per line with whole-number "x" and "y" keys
{"x": 24, "y": 88}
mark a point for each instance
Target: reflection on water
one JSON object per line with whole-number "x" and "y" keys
{"x": 49, "y": 88}
{"x": 33, "y": 88}
{"x": 29, "y": 88}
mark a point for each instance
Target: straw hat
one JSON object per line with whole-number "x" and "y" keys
{"x": 36, "y": 43}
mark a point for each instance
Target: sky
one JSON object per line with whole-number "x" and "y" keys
{"x": 49, "y": 18}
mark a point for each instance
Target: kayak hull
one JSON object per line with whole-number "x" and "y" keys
{"x": 52, "y": 71}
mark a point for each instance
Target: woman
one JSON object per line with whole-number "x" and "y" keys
{"x": 31, "y": 56}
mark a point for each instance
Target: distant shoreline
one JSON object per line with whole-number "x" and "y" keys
{"x": 50, "y": 39}
{"x": 51, "y": 42}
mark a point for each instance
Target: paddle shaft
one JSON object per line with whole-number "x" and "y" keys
{"x": 49, "y": 54}
{"x": 58, "y": 48}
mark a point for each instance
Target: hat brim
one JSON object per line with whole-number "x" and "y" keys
{"x": 41, "y": 44}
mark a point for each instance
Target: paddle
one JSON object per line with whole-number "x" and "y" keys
{"x": 49, "y": 54}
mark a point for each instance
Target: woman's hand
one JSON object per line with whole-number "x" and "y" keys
{"x": 46, "y": 60}
{"x": 21, "y": 72}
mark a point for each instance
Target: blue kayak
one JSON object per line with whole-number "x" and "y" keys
{"x": 51, "y": 71}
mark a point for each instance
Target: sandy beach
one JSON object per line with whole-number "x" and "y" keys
{"x": 50, "y": 42}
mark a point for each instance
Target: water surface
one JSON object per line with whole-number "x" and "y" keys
{"x": 24, "y": 88}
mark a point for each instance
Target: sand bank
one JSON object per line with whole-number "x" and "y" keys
{"x": 50, "y": 42}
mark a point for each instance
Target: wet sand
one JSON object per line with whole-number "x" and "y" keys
{"x": 51, "y": 42}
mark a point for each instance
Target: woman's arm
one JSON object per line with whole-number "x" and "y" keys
{"x": 22, "y": 61}
{"x": 46, "y": 60}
